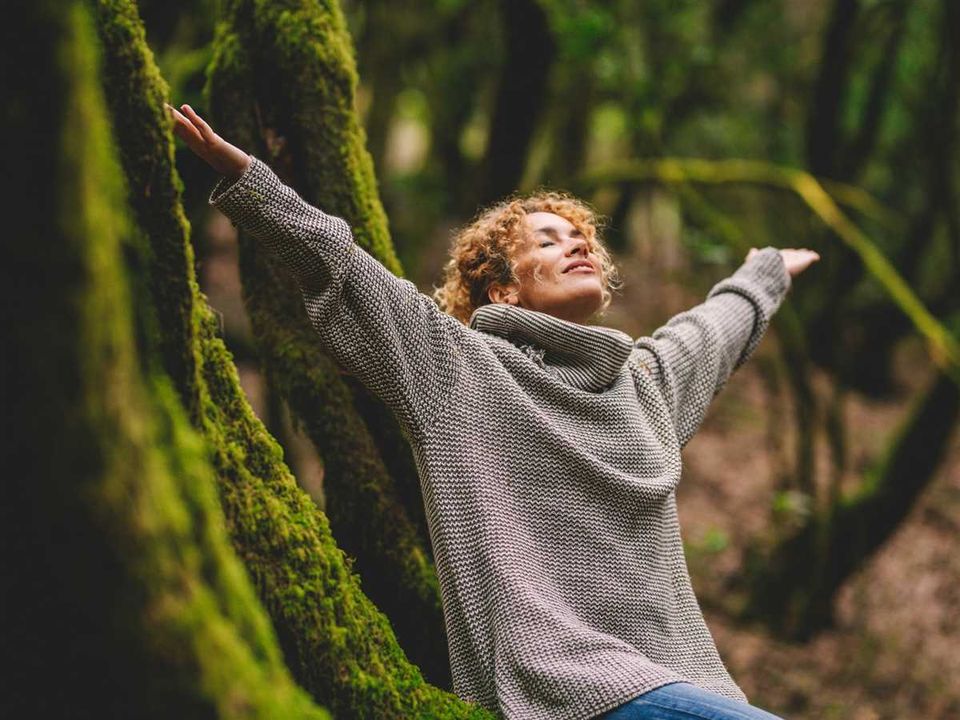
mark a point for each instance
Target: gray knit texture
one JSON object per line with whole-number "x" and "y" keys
{"x": 549, "y": 456}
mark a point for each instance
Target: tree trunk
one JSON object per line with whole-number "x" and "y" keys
{"x": 128, "y": 600}
{"x": 792, "y": 587}
{"x": 520, "y": 96}
{"x": 308, "y": 130}
{"x": 337, "y": 644}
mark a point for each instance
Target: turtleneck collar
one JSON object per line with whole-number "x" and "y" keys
{"x": 588, "y": 357}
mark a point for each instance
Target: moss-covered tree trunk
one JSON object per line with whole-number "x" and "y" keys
{"x": 868, "y": 360}
{"x": 124, "y": 598}
{"x": 336, "y": 643}
{"x": 792, "y": 586}
{"x": 282, "y": 86}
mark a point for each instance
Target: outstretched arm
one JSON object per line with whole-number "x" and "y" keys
{"x": 693, "y": 355}
{"x": 379, "y": 327}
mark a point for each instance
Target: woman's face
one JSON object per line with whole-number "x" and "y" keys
{"x": 568, "y": 284}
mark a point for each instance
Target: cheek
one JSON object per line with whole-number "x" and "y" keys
{"x": 528, "y": 267}
{"x": 540, "y": 268}
{"x": 545, "y": 272}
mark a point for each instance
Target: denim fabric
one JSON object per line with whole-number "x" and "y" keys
{"x": 685, "y": 701}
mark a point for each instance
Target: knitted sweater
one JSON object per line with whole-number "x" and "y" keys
{"x": 548, "y": 454}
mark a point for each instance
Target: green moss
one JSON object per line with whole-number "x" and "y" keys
{"x": 259, "y": 50}
{"x": 305, "y": 70}
{"x": 339, "y": 646}
{"x": 120, "y": 558}
{"x": 135, "y": 92}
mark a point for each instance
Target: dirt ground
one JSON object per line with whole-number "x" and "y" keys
{"x": 894, "y": 651}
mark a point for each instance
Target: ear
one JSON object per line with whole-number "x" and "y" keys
{"x": 503, "y": 294}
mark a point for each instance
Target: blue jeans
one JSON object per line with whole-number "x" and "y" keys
{"x": 685, "y": 701}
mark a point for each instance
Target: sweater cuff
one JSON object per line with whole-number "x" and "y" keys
{"x": 764, "y": 281}
{"x": 236, "y": 198}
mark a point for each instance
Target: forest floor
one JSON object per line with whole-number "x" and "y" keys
{"x": 893, "y": 652}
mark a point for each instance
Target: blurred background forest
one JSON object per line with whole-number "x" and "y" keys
{"x": 821, "y": 499}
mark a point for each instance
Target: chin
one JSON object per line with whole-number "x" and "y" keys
{"x": 592, "y": 297}
{"x": 575, "y": 300}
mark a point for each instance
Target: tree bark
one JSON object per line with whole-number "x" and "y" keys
{"x": 792, "y": 587}
{"x": 128, "y": 600}
{"x": 307, "y": 129}
{"x": 336, "y": 643}
{"x": 520, "y": 95}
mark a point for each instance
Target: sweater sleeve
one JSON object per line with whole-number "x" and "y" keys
{"x": 379, "y": 327}
{"x": 693, "y": 355}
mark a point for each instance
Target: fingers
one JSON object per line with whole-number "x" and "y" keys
{"x": 811, "y": 255}
{"x": 205, "y": 130}
{"x": 798, "y": 259}
{"x": 184, "y": 129}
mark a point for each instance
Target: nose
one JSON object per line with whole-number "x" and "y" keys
{"x": 579, "y": 245}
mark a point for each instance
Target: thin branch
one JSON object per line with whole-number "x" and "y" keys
{"x": 944, "y": 348}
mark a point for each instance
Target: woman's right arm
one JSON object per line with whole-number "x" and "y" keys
{"x": 377, "y": 326}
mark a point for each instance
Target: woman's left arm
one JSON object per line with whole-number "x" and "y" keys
{"x": 379, "y": 327}
{"x": 694, "y": 354}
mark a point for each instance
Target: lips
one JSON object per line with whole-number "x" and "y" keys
{"x": 579, "y": 263}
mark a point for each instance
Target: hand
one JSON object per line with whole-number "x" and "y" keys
{"x": 796, "y": 260}
{"x": 228, "y": 160}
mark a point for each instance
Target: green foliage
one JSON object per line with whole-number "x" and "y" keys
{"x": 714, "y": 540}
{"x": 582, "y": 29}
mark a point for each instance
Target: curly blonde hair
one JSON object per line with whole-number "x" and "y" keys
{"x": 484, "y": 252}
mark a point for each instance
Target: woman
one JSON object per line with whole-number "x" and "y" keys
{"x": 548, "y": 449}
